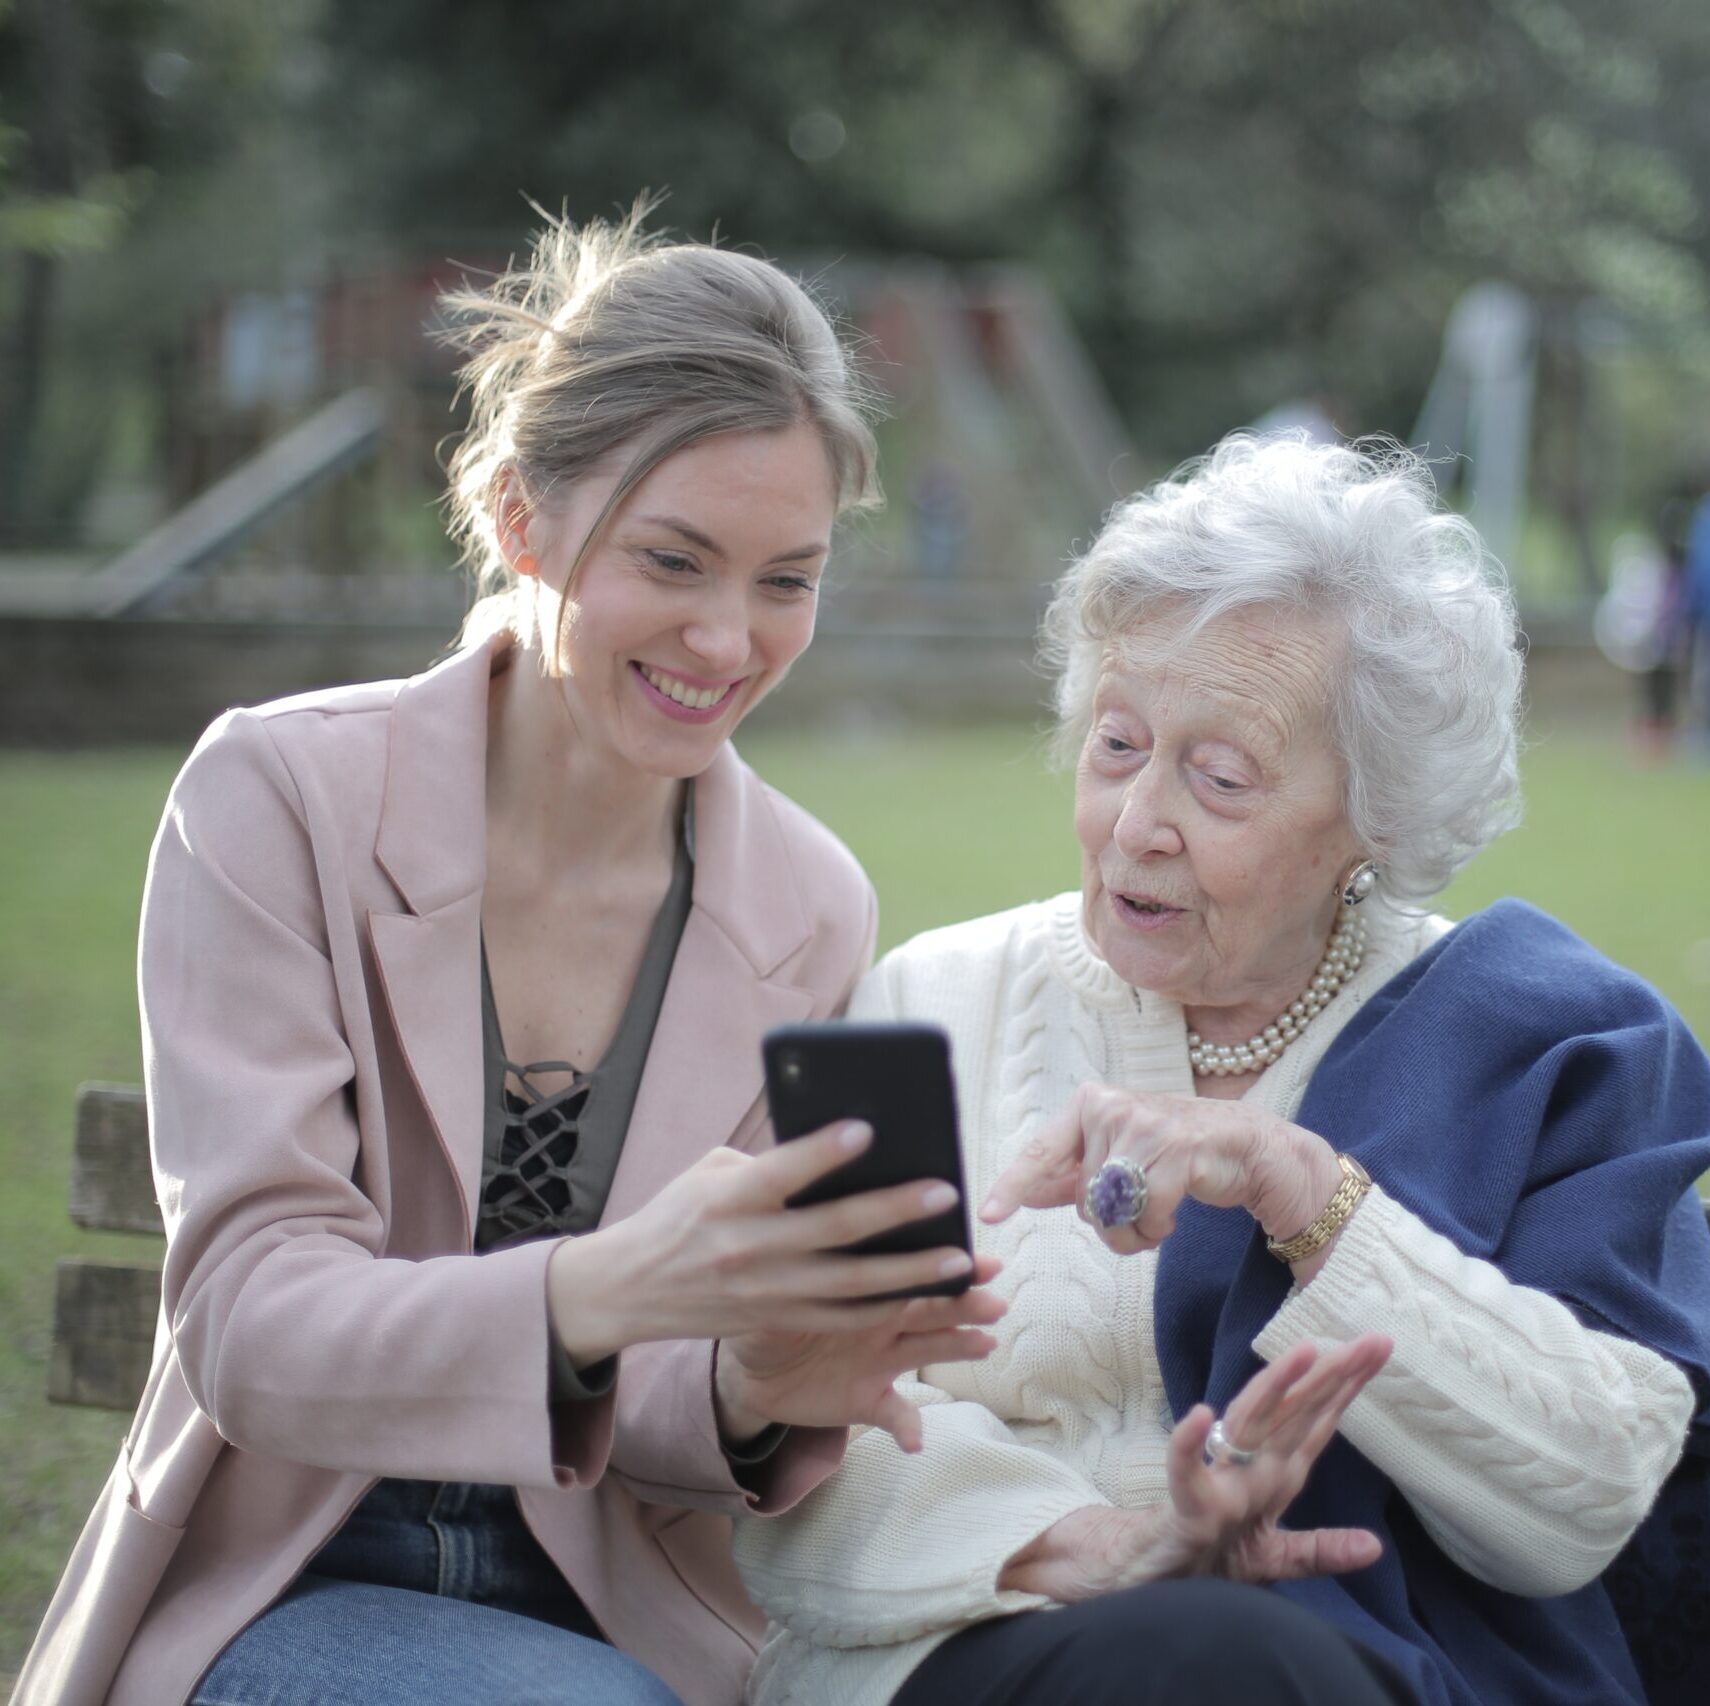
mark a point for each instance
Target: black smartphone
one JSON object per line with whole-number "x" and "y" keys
{"x": 896, "y": 1077}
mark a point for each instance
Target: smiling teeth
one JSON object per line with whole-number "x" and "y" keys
{"x": 690, "y": 698}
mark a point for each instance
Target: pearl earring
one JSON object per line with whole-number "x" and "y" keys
{"x": 1358, "y": 883}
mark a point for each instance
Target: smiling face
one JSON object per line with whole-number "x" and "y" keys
{"x": 1209, "y": 809}
{"x": 697, "y": 596}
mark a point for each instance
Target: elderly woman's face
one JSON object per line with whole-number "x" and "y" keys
{"x": 1208, "y": 806}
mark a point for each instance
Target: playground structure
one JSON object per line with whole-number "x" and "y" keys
{"x": 1003, "y": 439}
{"x": 1000, "y": 446}
{"x": 1478, "y": 410}
{"x": 1001, "y": 449}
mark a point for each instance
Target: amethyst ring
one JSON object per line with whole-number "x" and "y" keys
{"x": 1116, "y": 1194}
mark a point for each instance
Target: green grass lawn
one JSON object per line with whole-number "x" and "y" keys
{"x": 950, "y": 824}
{"x": 966, "y": 822}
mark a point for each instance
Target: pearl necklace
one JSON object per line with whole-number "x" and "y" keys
{"x": 1341, "y": 960}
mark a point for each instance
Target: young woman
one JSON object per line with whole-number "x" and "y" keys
{"x": 482, "y": 1307}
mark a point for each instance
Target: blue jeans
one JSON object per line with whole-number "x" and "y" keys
{"x": 429, "y": 1594}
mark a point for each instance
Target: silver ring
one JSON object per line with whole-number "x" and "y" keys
{"x": 1220, "y": 1448}
{"x": 1117, "y": 1193}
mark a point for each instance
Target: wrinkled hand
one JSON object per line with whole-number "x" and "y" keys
{"x": 1219, "y": 1519}
{"x": 1225, "y": 1154}
{"x": 837, "y": 1378}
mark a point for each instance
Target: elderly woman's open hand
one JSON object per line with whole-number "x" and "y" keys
{"x": 1221, "y": 1518}
{"x": 1226, "y": 1154}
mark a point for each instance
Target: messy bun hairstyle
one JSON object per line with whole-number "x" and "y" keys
{"x": 612, "y": 341}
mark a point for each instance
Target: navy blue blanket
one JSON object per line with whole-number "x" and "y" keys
{"x": 1550, "y": 1113}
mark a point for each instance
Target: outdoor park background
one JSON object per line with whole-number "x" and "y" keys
{"x": 1081, "y": 238}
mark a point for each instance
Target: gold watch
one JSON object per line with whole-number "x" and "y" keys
{"x": 1356, "y": 1181}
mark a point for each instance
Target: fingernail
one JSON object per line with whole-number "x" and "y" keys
{"x": 938, "y": 1197}
{"x": 989, "y": 1207}
{"x": 856, "y": 1135}
{"x": 956, "y": 1264}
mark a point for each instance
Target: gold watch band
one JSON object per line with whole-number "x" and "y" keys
{"x": 1356, "y": 1181}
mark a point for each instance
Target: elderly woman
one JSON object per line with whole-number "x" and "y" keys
{"x": 1438, "y": 1180}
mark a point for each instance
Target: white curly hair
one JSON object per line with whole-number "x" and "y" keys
{"x": 1424, "y": 702}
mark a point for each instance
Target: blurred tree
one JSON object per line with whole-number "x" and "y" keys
{"x": 1242, "y": 199}
{"x": 58, "y": 195}
{"x": 135, "y": 147}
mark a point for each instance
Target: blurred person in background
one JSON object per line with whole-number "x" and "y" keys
{"x": 1642, "y": 624}
{"x": 1672, "y": 635}
{"x": 482, "y": 1312}
{"x": 1312, "y": 417}
{"x": 1698, "y": 619}
{"x": 1308, "y": 1203}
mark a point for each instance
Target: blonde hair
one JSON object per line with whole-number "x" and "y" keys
{"x": 612, "y": 339}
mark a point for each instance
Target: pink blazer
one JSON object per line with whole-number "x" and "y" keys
{"x": 310, "y": 987}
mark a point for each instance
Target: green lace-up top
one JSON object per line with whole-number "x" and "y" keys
{"x": 549, "y": 1154}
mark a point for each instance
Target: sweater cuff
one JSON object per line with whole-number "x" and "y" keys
{"x": 1340, "y": 1293}
{"x": 1530, "y": 1445}
{"x": 888, "y": 1608}
{"x": 1010, "y": 1530}
{"x": 900, "y": 1547}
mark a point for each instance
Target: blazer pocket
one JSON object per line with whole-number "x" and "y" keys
{"x": 696, "y": 1544}
{"x": 138, "y": 1551}
{"x": 114, "y": 1570}
{"x": 145, "y": 1536}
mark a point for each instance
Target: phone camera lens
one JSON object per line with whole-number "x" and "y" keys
{"x": 790, "y": 1070}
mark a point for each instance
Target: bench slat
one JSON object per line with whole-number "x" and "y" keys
{"x": 104, "y": 1313}
{"x": 112, "y": 1189}
{"x": 103, "y": 1333}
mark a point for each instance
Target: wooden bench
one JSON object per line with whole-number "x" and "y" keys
{"x": 104, "y": 1312}
{"x": 103, "y": 1340}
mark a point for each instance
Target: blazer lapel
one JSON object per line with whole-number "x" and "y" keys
{"x": 432, "y": 844}
{"x": 703, "y": 1069}
{"x": 430, "y": 969}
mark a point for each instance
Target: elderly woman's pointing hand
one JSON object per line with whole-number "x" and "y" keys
{"x": 1225, "y": 1154}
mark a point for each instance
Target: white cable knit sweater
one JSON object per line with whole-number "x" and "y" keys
{"x": 1530, "y": 1445}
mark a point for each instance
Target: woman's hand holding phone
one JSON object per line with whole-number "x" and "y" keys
{"x": 846, "y": 1378}
{"x": 809, "y": 1335}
